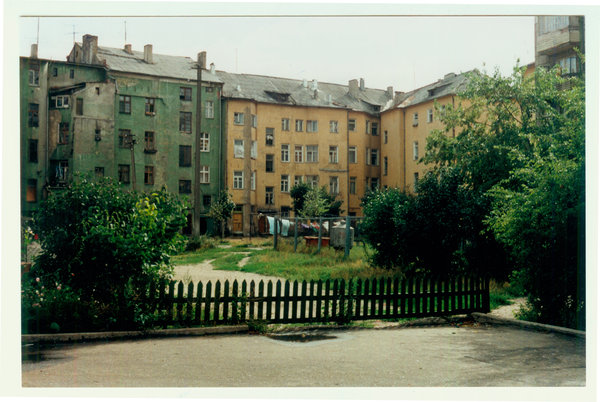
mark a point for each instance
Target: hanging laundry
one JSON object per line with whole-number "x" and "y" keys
{"x": 271, "y": 222}
{"x": 285, "y": 226}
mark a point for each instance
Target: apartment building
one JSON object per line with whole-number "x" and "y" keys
{"x": 127, "y": 114}
{"x": 556, "y": 38}
{"x": 280, "y": 132}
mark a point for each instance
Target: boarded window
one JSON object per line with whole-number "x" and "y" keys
{"x": 31, "y": 190}
{"x": 185, "y": 155}
{"x": 79, "y": 107}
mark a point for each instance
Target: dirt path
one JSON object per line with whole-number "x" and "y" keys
{"x": 205, "y": 272}
{"x": 508, "y": 311}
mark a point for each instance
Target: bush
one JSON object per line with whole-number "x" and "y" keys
{"x": 200, "y": 243}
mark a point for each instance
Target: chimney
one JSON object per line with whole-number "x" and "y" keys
{"x": 353, "y": 88}
{"x": 128, "y": 49}
{"x": 316, "y": 94}
{"x": 90, "y": 49}
{"x": 212, "y": 68}
{"x": 362, "y": 84}
{"x": 314, "y": 84}
{"x": 305, "y": 83}
{"x": 329, "y": 99}
{"x": 397, "y": 97}
{"x": 239, "y": 88}
{"x": 450, "y": 75}
{"x": 390, "y": 91}
{"x": 34, "y": 48}
{"x": 148, "y": 54}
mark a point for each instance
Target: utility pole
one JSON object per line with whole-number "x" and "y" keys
{"x": 197, "y": 166}
{"x": 246, "y": 210}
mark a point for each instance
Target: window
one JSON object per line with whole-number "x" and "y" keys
{"x": 124, "y": 138}
{"x": 312, "y": 126}
{"x": 312, "y": 181}
{"x": 385, "y": 166}
{"x": 367, "y": 126}
{"x": 150, "y": 106}
{"x": 415, "y": 150}
{"x": 253, "y": 181}
{"x": 297, "y": 180}
{"x": 374, "y": 183}
{"x": 204, "y": 142}
{"x": 333, "y": 154}
{"x": 149, "y": 141}
{"x": 334, "y": 185}
{"x": 374, "y": 128}
{"x": 185, "y": 186}
{"x": 385, "y": 137}
{"x": 205, "y": 174}
{"x": 31, "y": 190}
{"x": 429, "y": 115}
{"x": 285, "y": 183}
{"x": 123, "y": 171}
{"x": 312, "y": 153}
{"x": 269, "y": 195}
{"x": 415, "y": 119}
{"x": 185, "y": 94}
{"x": 352, "y": 124}
{"x": 55, "y": 72}
{"x": 185, "y": 156}
{"x": 209, "y": 110}
{"x": 375, "y": 157}
{"x": 63, "y": 133}
{"x": 416, "y": 179}
{"x": 33, "y": 117}
{"x": 270, "y": 158}
{"x": 206, "y": 199}
{"x": 97, "y": 90}
{"x": 209, "y": 90}
{"x": 270, "y": 137}
{"x": 368, "y": 156}
{"x": 285, "y": 152}
{"x": 33, "y": 151}
{"x": 254, "y": 121}
{"x": 569, "y": 65}
{"x": 299, "y": 125}
{"x": 352, "y": 155}
{"x": 149, "y": 175}
{"x": 333, "y": 126}
{"x": 71, "y": 73}
{"x": 79, "y": 107}
{"x": 285, "y": 124}
{"x": 99, "y": 171}
{"x": 238, "y": 119}
{"x": 238, "y": 179}
{"x": 353, "y": 185}
{"x": 60, "y": 101}
{"x": 298, "y": 153}
{"x": 238, "y": 148}
{"x": 34, "y": 74}
{"x": 185, "y": 122}
{"x": 124, "y": 104}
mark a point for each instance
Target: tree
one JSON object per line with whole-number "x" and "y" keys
{"x": 108, "y": 244}
{"x": 299, "y": 193}
{"x": 222, "y": 210}
{"x": 314, "y": 204}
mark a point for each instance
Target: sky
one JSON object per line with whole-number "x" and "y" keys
{"x": 402, "y": 52}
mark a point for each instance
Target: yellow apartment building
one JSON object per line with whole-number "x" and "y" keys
{"x": 279, "y": 132}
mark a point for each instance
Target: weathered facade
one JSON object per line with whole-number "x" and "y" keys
{"x": 556, "y": 38}
{"x": 125, "y": 114}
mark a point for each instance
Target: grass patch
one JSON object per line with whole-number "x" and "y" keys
{"x": 501, "y": 293}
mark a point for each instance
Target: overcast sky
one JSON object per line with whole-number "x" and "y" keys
{"x": 403, "y": 52}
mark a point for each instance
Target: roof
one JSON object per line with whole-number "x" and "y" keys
{"x": 298, "y": 93}
{"x": 452, "y": 84}
{"x": 162, "y": 66}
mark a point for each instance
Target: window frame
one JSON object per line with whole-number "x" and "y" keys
{"x": 149, "y": 175}
{"x": 415, "y": 119}
{"x": 124, "y": 173}
{"x": 149, "y": 141}
{"x": 185, "y": 186}
{"x": 334, "y": 185}
{"x": 79, "y": 107}
{"x": 63, "y": 133}
{"x": 314, "y": 154}
{"x": 299, "y": 126}
{"x": 270, "y": 163}
{"x": 185, "y": 156}
{"x": 185, "y": 122}
{"x": 352, "y": 185}
{"x": 204, "y": 142}
{"x": 33, "y": 156}
{"x": 204, "y": 174}
{"x": 270, "y": 195}
{"x": 374, "y": 128}
{"x": 298, "y": 151}
{"x": 430, "y": 115}
{"x": 209, "y": 110}
{"x": 33, "y": 115}
{"x": 124, "y": 135}
{"x": 124, "y": 104}
{"x": 285, "y": 183}
{"x": 185, "y": 94}
{"x": 352, "y": 151}
{"x": 238, "y": 179}
{"x": 34, "y": 75}
{"x": 238, "y": 118}
{"x": 415, "y": 150}
{"x": 238, "y": 145}
{"x": 312, "y": 126}
{"x": 352, "y": 125}
{"x": 149, "y": 107}
{"x": 333, "y": 154}
{"x": 334, "y": 126}
{"x": 374, "y": 157}
{"x": 312, "y": 180}
{"x": 285, "y": 153}
{"x": 285, "y": 124}
{"x": 269, "y": 137}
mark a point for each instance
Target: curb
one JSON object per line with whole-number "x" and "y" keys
{"x": 233, "y": 329}
{"x": 487, "y": 318}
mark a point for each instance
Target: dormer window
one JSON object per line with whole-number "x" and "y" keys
{"x": 279, "y": 97}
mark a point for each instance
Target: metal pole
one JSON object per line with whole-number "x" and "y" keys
{"x": 348, "y": 231}
{"x": 320, "y": 234}
{"x": 275, "y": 233}
{"x": 131, "y": 144}
{"x": 197, "y": 144}
{"x": 295, "y": 234}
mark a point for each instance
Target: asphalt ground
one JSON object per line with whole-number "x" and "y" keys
{"x": 437, "y": 356}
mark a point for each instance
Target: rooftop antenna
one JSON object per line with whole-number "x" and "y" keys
{"x": 74, "y": 33}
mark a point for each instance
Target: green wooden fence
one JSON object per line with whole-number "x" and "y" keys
{"x": 329, "y": 301}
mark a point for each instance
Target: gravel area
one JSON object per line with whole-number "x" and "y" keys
{"x": 509, "y": 311}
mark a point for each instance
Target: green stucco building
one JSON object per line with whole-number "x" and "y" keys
{"x": 126, "y": 114}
